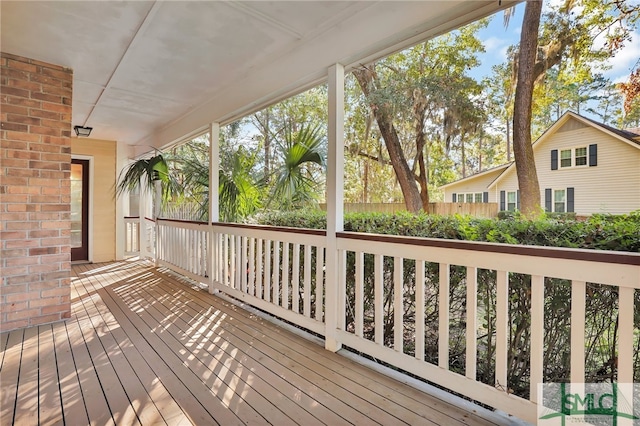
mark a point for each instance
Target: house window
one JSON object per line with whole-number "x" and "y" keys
{"x": 565, "y": 158}
{"x": 581, "y": 156}
{"x": 574, "y": 157}
{"x": 511, "y": 201}
{"x": 559, "y": 200}
{"x": 470, "y": 197}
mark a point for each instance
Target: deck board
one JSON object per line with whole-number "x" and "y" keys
{"x": 27, "y": 389}
{"x": 49, "y": 404}
{"x": 315, "y": 372}
{"x": 226, "y": 372}
{"x": 132, "y": 371}
{"x": 264, "y": 367}
{"x": 10, "y": 373}
{"x": 73, "y": 405}
{"x": 146, "y": 347}
{"x": 343, "y": 373}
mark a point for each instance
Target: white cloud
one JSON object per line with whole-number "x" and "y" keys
{"x": 496, "y": 46}
{"x": 621, "y": 65}
{"x": 550, "y": 5}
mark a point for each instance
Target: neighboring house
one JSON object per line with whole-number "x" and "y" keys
{"x": 583, "y": 166}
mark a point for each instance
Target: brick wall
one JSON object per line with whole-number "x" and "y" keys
{"x": 35, "y": 163}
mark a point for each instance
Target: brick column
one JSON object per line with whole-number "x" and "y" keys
{"x": 35, "y": 164}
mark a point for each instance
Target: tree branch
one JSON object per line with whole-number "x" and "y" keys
{"x": 374, "y": 158}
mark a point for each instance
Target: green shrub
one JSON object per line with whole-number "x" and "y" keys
{"x": 600, "y": 232}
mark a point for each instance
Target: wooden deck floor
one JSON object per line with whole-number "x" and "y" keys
{"x": 144, "y": 348}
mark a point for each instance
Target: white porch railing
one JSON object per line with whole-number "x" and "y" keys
{"x": 183, "y": 246}
{"x": 400, "y": 296}
{"x": 140, "y": 237}
{"x": 132, "y": 236}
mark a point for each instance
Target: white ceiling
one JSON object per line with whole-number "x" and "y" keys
{"x": 150, "y": 72}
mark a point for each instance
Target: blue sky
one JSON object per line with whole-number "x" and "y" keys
{"x": 497, "y": 39}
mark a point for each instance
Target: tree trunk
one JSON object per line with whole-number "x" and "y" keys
{"x": 422, "y": 178}
{"x": 365, "y": 187}
{"x": 509, "y": 138}
{"x": 480, "y": 149}
{"x": 403, "y": 172}
{"x": 464, "y": 157}
{"x": 522, "y": 149}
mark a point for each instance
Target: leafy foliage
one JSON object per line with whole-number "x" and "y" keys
{"x": 143, "y": 172}
{"x": 239, "y": 192}
{"x": 599, "y": 232}
{"x": 296, "y": 182}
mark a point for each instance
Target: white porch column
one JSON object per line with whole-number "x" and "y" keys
{"x": 335, "y": 198}
{"x": 214, "y": 167}
{"x": 214, "y": 201}
{"x": 143, "y": 207}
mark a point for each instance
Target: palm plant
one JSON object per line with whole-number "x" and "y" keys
{"x": 296, "y": 182}
{"x": 143, "y": 172}
{"x": 148, "y": 174}
{"x": 238, "y": 191}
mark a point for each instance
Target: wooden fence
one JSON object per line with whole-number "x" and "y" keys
{"x": 443, "y": 209}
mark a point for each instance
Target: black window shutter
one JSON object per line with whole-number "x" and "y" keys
{"x": 547, "y": 200}
{"x": 554, "y": 159}
{"x": 453, "y": 197}
{"x": 518, "y": 200}
{"x": 570, "y": 200}
{"x": 502, "y": 200}
{"x": 593, "y": 155}
{"x": 485, "y": 197}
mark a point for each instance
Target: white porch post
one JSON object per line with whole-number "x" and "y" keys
{"x": 214, "y": 166}
{"x": 157, "y": 202}
{"x": 214, "y": 202}
{"x": 335, "y": 197}
{"x": 143, "y": 202}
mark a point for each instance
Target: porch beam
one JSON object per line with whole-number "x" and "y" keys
{"x": 335, "y": 201}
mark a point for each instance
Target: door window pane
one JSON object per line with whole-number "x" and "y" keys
{"x": 76, "y": 205}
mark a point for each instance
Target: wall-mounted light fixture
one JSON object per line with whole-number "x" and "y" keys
{"x": 82, "y": 132}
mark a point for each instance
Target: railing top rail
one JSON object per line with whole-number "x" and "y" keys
{"x": 290, "y": 230}
{"x": 182, "y": 221}
{"x": 149, "y": 219}
{"x": 131, "y": 217}
{"x": 618, "y": 257}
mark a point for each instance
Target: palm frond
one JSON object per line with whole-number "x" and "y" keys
{"x": 296, "y": 183}
{"x": 142, "y": 173}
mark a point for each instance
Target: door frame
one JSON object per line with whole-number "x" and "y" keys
{"x": 89, "y": 204}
